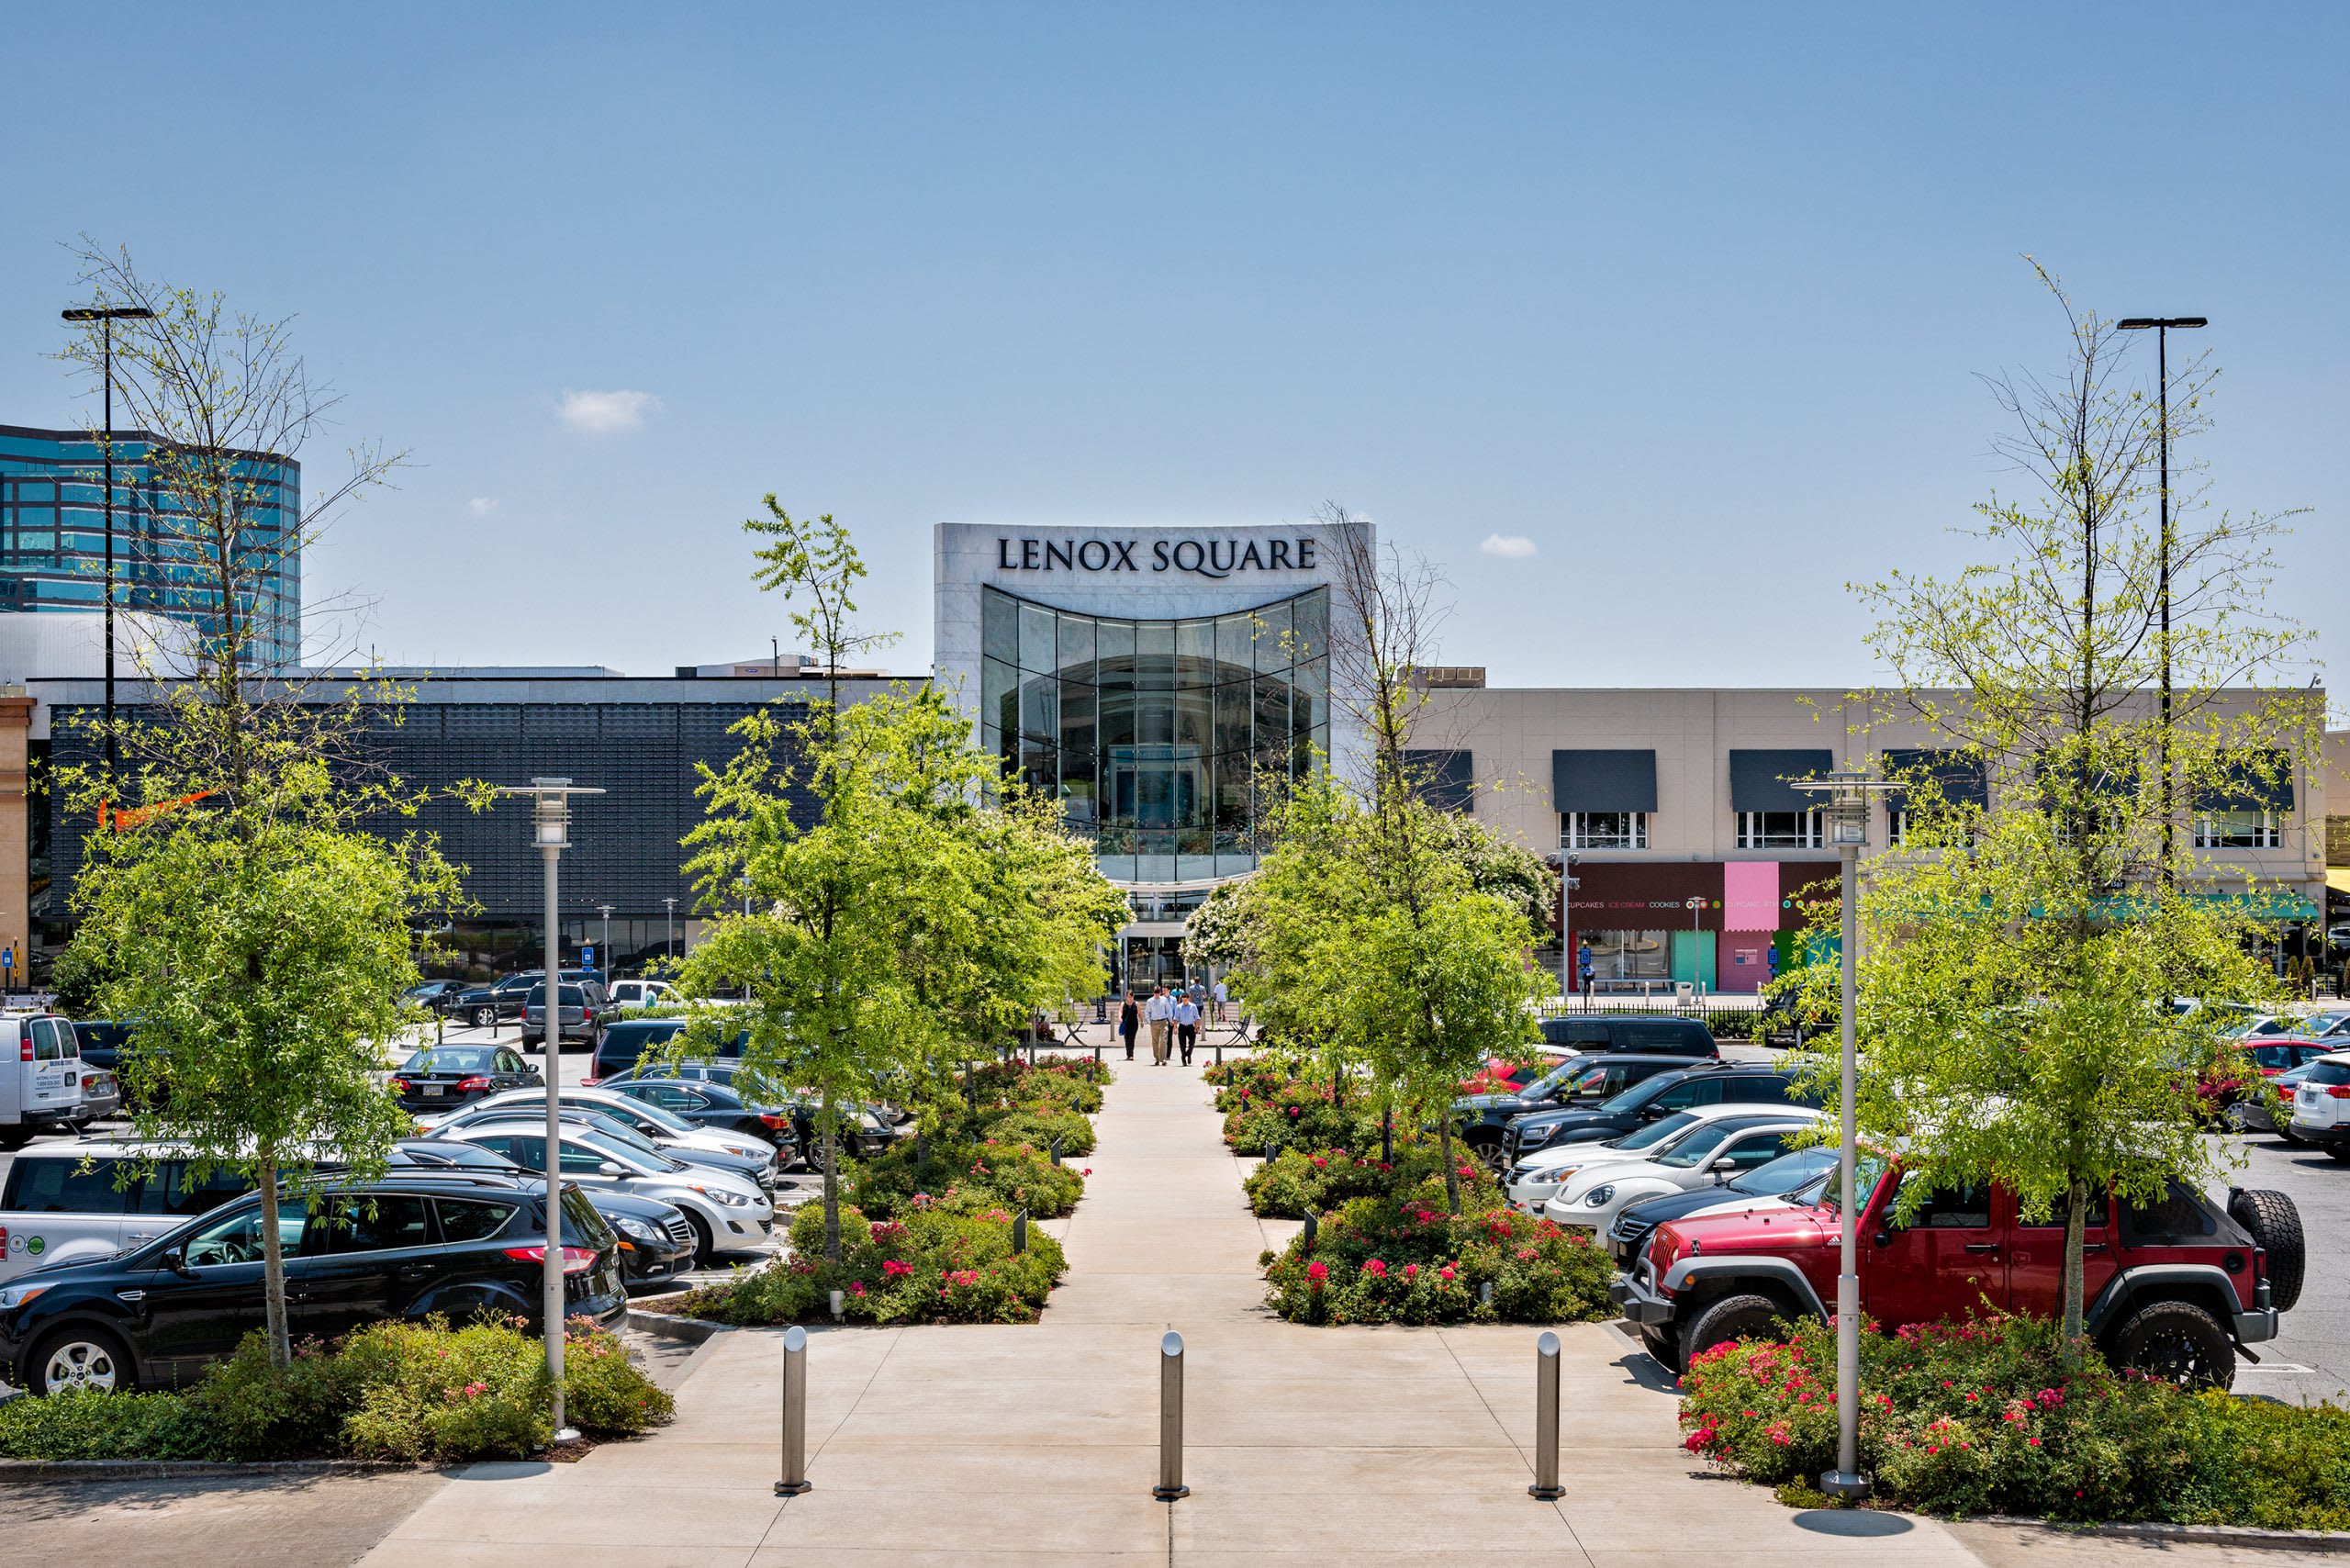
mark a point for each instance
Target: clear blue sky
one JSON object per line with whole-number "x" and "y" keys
{"x": 1694, "y": 299}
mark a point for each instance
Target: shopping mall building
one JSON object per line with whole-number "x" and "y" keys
{"x": 1149, "y": 677}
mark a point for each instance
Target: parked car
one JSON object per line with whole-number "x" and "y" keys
{"x": 2226, "y": 1088}
{"x": 714, "y": 1107}
{"x": 443, "y": 1078}
{"x": 92, "y": 1198}
{"x": 483, "y": 1006}
{"x": 410, "y": 1245}
{"x": 1713, "y": 1084}
{"x": 1792, "y": 1181}
{"x": 41, "y": 1077}
{"x": 1708, "y": 1157}
{"x": 1789, "y": 1019}
{"x": 2174, "y": 1286}
{"x": 655, "y": 1239}
{"x": 1536, "y": 1178}
{"x": 645, "y": 993}
{"x": 2321, "y": 1105}
{"x": 1583, "y": 1080}
{"x": 581, "y": 1012}
{"x": 626, "y": 1042}
{"x": 728, "y": 1213}
{"x": 1594, "y": 1034}
{"x": 437, "y": 997}
{"x": 648, "y": 1125}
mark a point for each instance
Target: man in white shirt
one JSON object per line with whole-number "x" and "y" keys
{"x": 1161, "y": 1015}
{"x": 1221, "y": 996}
{"x": 1187, "y": 1026}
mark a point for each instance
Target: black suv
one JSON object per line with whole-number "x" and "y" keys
{"x": 403, "y": 1246}
{"x": 1593, "y": 1033}
{"x": 1584, "y": 1079}
{"x": 1713, "y": 1083}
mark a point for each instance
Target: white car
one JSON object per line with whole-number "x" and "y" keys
{"x": 1535, "y": 1180}
{"x": 662, "y": 1128}
{"x": 729, "y": 1213}
{"x": 2322, "y": 1104}
{"x": 644, "y": 993}
{"x": 1792, "y": 1181}
{"x": 76, "y": 1202}
{"x": 1707, "y": 1156}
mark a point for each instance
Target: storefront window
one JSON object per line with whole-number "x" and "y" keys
{"x": 1603, "y": 830}
{"x": 1152, "y": 734}
{"x": 1778, "y": 830}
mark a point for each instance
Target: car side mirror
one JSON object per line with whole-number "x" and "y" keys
{"x": 1882, "y": 1238}
{"x": 175, "y": 1259}
{"x": 610, "y": 1169}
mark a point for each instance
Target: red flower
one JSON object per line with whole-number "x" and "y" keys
{"x": 1375, "y": 1269}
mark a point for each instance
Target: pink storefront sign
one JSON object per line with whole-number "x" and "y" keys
{"x": 1751, "y": 895}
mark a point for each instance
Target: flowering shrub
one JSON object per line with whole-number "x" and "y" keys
{"x": 1402, "y": 1259}
{"x": 926, "y": 1266}
{"x": 390, "y": 1389}
{"x": 1292, "y": 1112}
{"x": 1987, "y": 1416}
{"x": 1070, "y": 1084}
{"x": 1303, "y": 1181}
{"x": 964, "y": 1178}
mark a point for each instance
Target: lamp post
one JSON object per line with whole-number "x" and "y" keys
{"x": 107, "y": 315}
{"x": 669, "y": 928}
{"x": 551, "y": 831}
{"x": 2161, "y": 326}
{"x": 605, "y": 911}
{"x": 1568, "y": 883}
{"x": 1697, "y": 908}
{"x": 1848, "y": 792}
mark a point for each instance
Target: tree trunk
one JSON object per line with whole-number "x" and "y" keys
{"x": 2077, "y": 1207}
{"x": 831, "y": 1182}
{"x": 1451, "y": 1171}
{"x": 272, "y": 1271}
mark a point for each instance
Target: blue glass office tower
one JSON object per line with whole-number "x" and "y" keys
{"x": 53, "y": 537}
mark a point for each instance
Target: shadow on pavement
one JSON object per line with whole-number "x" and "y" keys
{"x": 1855, "y": 1522}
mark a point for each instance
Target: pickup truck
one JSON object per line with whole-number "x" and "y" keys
{"x": 2173, "y": 1287}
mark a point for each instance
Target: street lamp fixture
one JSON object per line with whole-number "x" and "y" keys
{"x": 1848, "y": 792}
{"x": 2162, "y": 327}
{"x": 605, "y": 911}
{"x": 105, "y": 317}
{"x": 669, "y": 928}
{"x": 550, "y": 833}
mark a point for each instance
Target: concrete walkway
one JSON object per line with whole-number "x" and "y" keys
{"x": 1377, "y": 1447}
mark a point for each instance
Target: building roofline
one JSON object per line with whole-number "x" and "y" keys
{"x": 31, "y": 433}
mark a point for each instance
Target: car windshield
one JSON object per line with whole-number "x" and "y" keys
{"x": 660, "y": 1117}
{"x": 451, "y": 1058}
{"x": 645, "y": 1161}
{"x": 1699, "y": 1145}
{"x": 1867, "y": 1169}
{"x": 605, "y": 1125}
{"x": 1656, "y": 1134}
{"x": 1640, "y": 1094}
{"x": 449, "y": 1151}
{"x": 1549, "y": 1082}
{"x": 1786, "y": 1173}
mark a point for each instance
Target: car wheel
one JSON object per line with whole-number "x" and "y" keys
{"x": 14, "y": 1137}
{"x": 2275, "y": 1225}
{"x": 485, "y": 1016}
{"x": 1732, "y": 1317}
{"x": 2178, "y": 1342}
{"x": 705, "y": 1248}
{"x": 81, "y": 1358}
{"x": 2336, "y": 1151}
{"x": 1662, "y": 1347}
{"x": 1490, "y": 1154}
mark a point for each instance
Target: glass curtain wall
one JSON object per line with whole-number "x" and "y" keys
{"x": 1151, "y": 733}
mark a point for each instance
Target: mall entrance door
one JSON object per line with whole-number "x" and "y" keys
{"x": 1153, "y": 960}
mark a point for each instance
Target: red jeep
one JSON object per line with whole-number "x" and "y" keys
{"x": 2173, "y": 1287}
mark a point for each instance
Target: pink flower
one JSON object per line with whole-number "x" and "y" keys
{"x": 1319, "y": 1162}
{"x": 1317, "y": 1273}
{"x": 1087, "y": 1171}
{"x": 857, "y": 1287}
{"x": 1445, "y": 1273}
{"x": 1375, "y": 1269}
{"x": 1411, "y": 1270}
{"x": 891, "y": 1267}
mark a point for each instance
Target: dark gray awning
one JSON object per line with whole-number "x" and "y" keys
{"x": 2249, "y": 780}
{"x": 1445, "y": 780}
{"x": 1758, "y": 780}
{"x": 1959, "y": 776}
{"x": 1603, "y": 780}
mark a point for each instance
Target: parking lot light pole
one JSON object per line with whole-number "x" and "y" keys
{"x": 105, "y": 317}
{"x": 551, "y": 831}
{"x": 1848, "y": 792}
{"x": 605, "y": 911}
{"x": 669, "y": 928}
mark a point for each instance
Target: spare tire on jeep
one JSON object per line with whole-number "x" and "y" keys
{"x": 2275, "y": 1225}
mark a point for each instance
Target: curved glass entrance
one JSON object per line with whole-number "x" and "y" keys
{"x": 1151, "y": 733}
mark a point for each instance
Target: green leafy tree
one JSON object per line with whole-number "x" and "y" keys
{"x": 897, "y": 911}
{"x": 2019, "y": 963}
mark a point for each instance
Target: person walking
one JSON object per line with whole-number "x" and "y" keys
{"x": 1160, "y": 1014}
{"x": 1129, "y": 1021}
{"x": 1223, "y": 997}
{"x": 1187, "y": 1027}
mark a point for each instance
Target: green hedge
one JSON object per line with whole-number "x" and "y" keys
{"x": 926, "y": 1267}
{"x": 960, "y": 1176}
{"x": 1404, "y": 1260}
{"x": 1990, "y": 1417}
{"x": 395, "y": 1390}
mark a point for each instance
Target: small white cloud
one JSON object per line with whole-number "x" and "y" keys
{"x": 482, "y": 506}
{"x": 607, "y": 413}
{"x": 1508, "y": 546}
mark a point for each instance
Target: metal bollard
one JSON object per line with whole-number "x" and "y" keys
{"x": 1313, "y": 1228}
{"x": 1269, "y": 1151}
{"x": 921, "y": 1151}
{"x": 1096, "y": 1053}
{"x": 1546, "y": 1419}
{"x": 1170, "y": 1420}
{"x": 1020, "y": 1232}
{"x": 1056, "y": 1146}
{"x": 795, "y": 1414}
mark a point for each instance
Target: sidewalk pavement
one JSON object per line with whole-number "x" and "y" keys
{"x": 1004, "y": 1445}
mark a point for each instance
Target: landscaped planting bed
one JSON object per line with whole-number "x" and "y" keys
{"x": 1300, "y": 1181}
{"x": 1403, "y": 1259}
{"x": 389, "y": 1391}
{"x": 1989, "y": 1417}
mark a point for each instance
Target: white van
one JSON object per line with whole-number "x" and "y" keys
{"x": 41, "y": 1077}
{"x": 645, "y": 993}
{"x": 84, "y": 1201}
